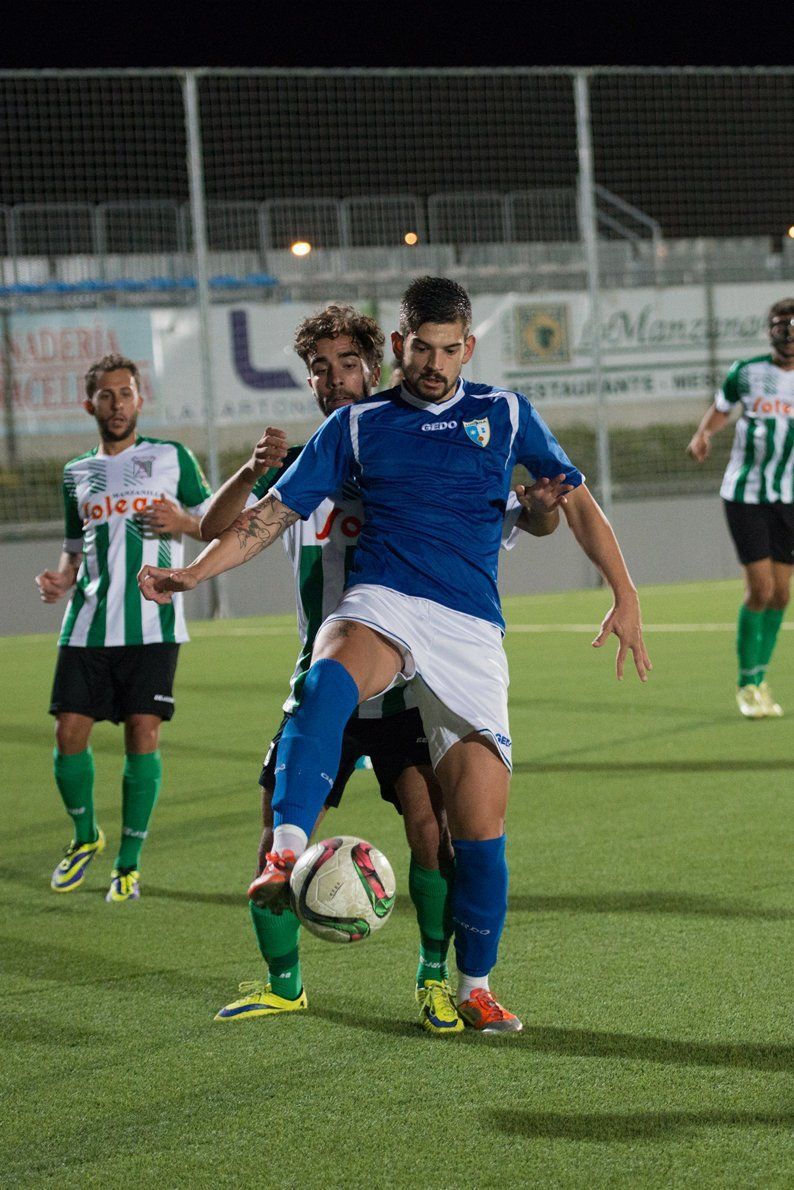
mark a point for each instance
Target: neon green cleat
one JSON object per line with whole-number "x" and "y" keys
{"x": 71, "y": 871}
{"x": 258, "y": 1000}
{"x": 772, "y": 709}
{"x": 438, "y": 1012}
{"x": 748, "y": 700}
{"x": 124, "y": 885}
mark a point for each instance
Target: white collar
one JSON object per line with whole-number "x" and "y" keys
{"x": 430, "y": 406}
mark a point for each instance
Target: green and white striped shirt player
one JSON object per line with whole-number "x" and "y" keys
{"x": 321, "y": 550}
{"x": 761, "y": 467}
{"x": 104, "y": 496}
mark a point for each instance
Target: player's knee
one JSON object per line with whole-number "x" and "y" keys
{"x": 70, "y": 737}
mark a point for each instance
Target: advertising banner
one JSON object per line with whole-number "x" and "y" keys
{"x": 44, "y": 358}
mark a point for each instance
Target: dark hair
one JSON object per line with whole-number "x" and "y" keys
{"x": 784, "y": 306}
{"x": 109, "y": 363}
{"x": 434, "y": 299}
{"x": 334, "y": 321}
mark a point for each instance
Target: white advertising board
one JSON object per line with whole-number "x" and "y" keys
{"x": 658, "y": 345}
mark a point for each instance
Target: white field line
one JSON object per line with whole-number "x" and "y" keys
{"x": 218, "y": 630}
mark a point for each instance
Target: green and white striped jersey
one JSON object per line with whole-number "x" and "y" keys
{"x": 321, "y": 552}
{"x": 104, "y": 496}
{"x": 761, "y": 467}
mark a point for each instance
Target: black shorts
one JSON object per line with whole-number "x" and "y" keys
{"x": 112, "y": 683}
{"x": 393, "y": 744}
{"x": 761, "y": 531}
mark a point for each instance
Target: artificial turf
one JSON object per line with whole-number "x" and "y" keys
{"x": 648, "y": 946}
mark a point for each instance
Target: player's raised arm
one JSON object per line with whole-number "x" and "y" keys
{"x": 230, "y": 499}
{"x": 253, "y": 531}
{"x": 594, "y": 534}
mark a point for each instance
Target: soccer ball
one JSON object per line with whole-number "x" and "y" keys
{"x": 342, "y": 889}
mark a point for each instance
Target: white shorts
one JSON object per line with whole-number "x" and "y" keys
{"x": 456, "y": 664}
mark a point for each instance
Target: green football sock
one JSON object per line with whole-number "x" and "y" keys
{"x": 74, "y": 776}
{"x": 431, "y": 893}
{"x": 277, "y": 935}
{"x": 139, "y": 789}
{"x": 748, "y": 645}
{"x": 770, "y": 626}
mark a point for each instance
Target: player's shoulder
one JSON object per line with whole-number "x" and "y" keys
{"x": 495, "y": 393}
{"x": 87, "y": 454}
{"x": 737, "y": 365}
{"x": 148, "y": 441}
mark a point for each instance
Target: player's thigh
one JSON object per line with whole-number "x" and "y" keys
{"x": 372, "y": 661}
{"x": 476, "y": 785}
{"x": 82, "y": 686}
{"x": 750, "y": 528}
{"x": 143, "y": 680}
{"x": 782, "y": 537}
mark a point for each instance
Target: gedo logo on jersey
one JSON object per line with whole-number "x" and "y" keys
{"x": 440, "y": 425}
{"x": 349, "y": 525}
{"x": 108, "y": 506}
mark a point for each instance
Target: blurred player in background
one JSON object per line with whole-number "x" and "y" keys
{"x": 433, "y": 459}
{"x": 343, "y": 351}
{"x": 758, "y": 496}
{"x": 128, "y": 500}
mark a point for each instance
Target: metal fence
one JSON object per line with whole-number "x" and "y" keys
{"x": 620, "y": 229}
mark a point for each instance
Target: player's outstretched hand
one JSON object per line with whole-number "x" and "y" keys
{"x": 544, "y": 495}
{"x": 165, "y": 517}
{"x": 53, "y": 585}
{"x": 699, "y": 447}
{"x": 624, "y": 620}
{"x": 269, "y": 451}
{"x": 158, "y": 583}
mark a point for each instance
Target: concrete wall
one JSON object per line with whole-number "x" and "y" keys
{"x": 681, "y": 539}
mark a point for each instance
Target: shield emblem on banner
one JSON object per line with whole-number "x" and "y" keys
{"x": 479, "y": 431}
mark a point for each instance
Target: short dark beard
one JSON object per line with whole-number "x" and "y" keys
{"x": 108, "y": 435}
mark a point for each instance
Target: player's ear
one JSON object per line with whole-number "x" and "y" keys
{"x": 468, "y": 348}
{"x": 375, "y": 376}
{"x": 397, "y": 344}
{"x": 88, "y": 405}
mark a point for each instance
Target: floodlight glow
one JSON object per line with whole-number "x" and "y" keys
{"x": 411, "y": 238}
{"x": 790, "y": 233}
{"x": 301, "y": 248}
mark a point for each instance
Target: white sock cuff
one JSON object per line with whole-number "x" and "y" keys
{"x": 290, "y": 838}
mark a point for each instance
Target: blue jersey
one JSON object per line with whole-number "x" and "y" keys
{"x": 434, "y": 481}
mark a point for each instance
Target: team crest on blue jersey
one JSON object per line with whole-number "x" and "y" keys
{"x": 479, "y": 431}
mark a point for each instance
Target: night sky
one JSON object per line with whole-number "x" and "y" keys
{"x": 331, "y": 136}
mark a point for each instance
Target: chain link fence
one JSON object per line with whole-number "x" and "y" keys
{"x": 621, "y": 232}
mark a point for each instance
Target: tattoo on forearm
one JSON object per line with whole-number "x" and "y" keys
{"x": 259, "y": 527}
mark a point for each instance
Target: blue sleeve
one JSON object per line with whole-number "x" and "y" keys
{"x": 538, "y": 449}
{"x": 321, "y": 468}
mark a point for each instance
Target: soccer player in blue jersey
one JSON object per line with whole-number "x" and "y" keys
{"x": 433, "y": 460}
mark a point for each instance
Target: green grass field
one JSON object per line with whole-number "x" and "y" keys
{"x": 648, "y": 946}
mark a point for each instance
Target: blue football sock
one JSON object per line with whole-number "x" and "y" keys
{"x": 479, "y": 902}
{"x": 311, "y": 744}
